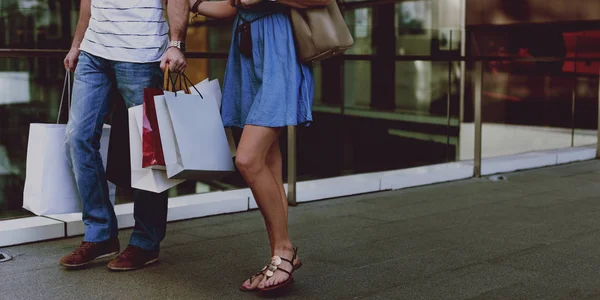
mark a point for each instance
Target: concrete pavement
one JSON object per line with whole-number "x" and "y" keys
{"x": 535, "y": 235}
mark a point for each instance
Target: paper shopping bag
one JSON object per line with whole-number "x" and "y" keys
{"x": 209, "y": 87}
{"x": 213, "y": 88}
{"x": 141, "y": 178}
{"x": 49, "y": 183}
{"x": 193, "y": 138}
{"x": 152, "y": 153}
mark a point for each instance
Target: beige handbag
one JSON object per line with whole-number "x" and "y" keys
{"x": 320, "y": 32}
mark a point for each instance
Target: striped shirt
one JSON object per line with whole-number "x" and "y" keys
{"x": 127, "y": 30}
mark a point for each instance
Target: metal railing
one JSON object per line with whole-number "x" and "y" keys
{"x": 477, "y": 84}
{"x": 598, "y": 129}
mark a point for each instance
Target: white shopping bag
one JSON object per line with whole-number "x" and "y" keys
{"x": 142, "y": 178}
{"x": 192, "y": 135}
{"x": 212, "y": 87}
{"x": 49, "y": 180}
{"x": 49, "y": 183}
{"x": 209, "y": 87}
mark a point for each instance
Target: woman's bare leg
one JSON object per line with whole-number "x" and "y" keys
{"x": 251, "y": 160}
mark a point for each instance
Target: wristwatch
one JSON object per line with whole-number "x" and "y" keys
{"x": 178, "y": 44}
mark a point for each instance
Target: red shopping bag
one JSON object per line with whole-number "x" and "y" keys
{"x": 152, "y": 157}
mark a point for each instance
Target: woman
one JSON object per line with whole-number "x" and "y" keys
{"x": 265, "y": 90}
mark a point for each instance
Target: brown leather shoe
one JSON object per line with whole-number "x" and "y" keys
{"x": 133, "y": 258}
{"x": 88, "y": 252}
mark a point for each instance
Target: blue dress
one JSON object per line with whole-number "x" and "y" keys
{"x": 271, "y": 88}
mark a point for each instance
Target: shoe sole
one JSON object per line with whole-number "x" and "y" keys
{"x": 134, "y": 268}
{"x": 71, "y": 266}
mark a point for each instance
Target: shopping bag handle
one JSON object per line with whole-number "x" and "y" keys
{"x": 167, "y": 78}
{"x": 183, "y": 82}
{"x": 192, "y": 84}
{"x": 62, "y": 97}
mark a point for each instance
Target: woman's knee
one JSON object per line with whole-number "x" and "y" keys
{"x": 248, "y": 163}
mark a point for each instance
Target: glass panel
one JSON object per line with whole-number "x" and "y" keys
{"x": 530, "y": 106}
{"x": 586, "y": 110}
{"x": 414, "y": 27}
{"x": 427, "y": 27}
{"x": 30, "y": 89}
{"x": 37, "y": 24}
{"x": 587, "y": 94}
{"x": 318, "y": 78}
{"x": 360, "y": 23}
{"x": 357, "y": 85}
{"x": 365, "y": 138}
{"x": 525, "y": 108}
{"x": 424, "y": 88}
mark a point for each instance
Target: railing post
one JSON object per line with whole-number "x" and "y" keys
{"x": 448, "y": 106}
{"x": 291, "y": 162}
{"x": 573, "y": 98}
{"x": 478, "y": 78}
{"x": 598, "y": 128}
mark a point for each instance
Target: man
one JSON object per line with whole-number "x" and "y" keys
{"x": 119, "y": 47}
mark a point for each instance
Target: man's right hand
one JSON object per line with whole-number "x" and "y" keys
{"x": 71, "y": 59}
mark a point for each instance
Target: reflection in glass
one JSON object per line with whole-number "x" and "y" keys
{"x": 531, "y": 106}
{"x": 428, "y": 27}
{"x": 360, "y": 23}
{"x": 424, "y": 87}
{"x": 357, "y": 84}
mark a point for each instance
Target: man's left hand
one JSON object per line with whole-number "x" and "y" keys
{"x": 175, "y": 59}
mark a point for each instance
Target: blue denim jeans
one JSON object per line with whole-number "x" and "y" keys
{"x": 97, "y": 81}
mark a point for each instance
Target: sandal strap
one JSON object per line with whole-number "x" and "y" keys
{"x": 288, "y": 261}
{"x": 295, "y": 254}
{"x": 261, "y": 272}
{"x": 291, "y": 262}
{"x": 288, "y": 272}
{"x": 276, "y": 266}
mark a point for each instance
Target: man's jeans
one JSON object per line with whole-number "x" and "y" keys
{"x": 97, "y": 80}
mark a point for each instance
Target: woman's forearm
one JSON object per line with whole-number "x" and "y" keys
{"x": 304, "y": 3}
{"x": 215, "y": 9}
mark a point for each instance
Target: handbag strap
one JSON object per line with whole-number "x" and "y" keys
{"x": 62, "y": 96}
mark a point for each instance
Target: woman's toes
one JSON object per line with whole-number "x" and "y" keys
{"x": 263, "y": 283}
{"x": 248, "y": 284}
